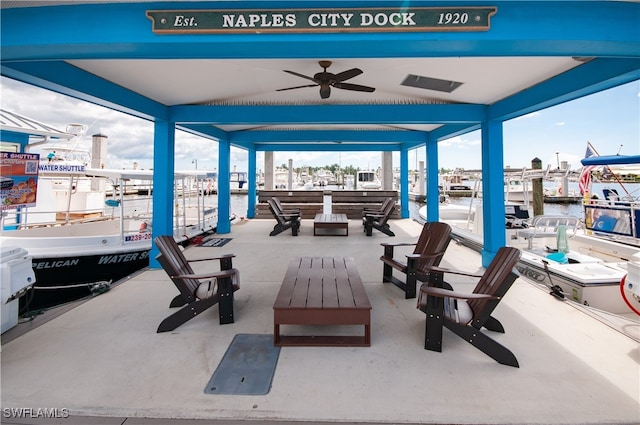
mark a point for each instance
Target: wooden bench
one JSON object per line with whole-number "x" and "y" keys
{"x": 322, "y": 291}
{"x": 354, "y": 202}
{"x": 308, "y": 202}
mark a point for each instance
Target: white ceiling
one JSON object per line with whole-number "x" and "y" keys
{"x": 485, "y": 80}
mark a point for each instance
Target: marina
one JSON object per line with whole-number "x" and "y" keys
{"x": 567, "y": 358}
{"x": 524, "y": 316}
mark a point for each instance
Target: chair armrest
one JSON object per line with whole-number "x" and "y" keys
{"x": 223, "y": 273}
{"x": 385, "y": 244}
{"x": 446, "y": 293}
{"x": 289, "y": 215}
{"x": 440, "y": 270}
{"x": 222, "y": 257}
{"x": 418, "y": 256}
{"x": 373, "y": 215}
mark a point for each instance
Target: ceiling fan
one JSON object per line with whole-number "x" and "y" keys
{"x": 326, "y": 80}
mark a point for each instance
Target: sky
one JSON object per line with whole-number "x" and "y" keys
{"x": 609, "y": 120}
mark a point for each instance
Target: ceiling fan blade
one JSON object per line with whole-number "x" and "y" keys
{"x": 298, "y": 87}
{"x": 345, "y": 75}
{"x": 302, "y": 76}
{"x": 354, "y": 87}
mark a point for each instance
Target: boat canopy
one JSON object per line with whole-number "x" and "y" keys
{"x": 611, "y": 160}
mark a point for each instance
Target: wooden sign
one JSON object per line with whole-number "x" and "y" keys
{"x": 321, "y": 20}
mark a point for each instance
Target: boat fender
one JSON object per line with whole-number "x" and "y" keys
{"x": 144, "y": 227}
{"x": 112, "y": 203}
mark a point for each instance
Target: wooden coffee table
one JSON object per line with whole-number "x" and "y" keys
{"x": 322, "y": 291}
{"x": 331, "y": 221}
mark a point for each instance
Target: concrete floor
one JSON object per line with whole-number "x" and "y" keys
{"x": 103, "y": 361}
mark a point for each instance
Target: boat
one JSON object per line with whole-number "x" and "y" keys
{"x": 367, "y": 180}
{"x": 77, "y": 250}
{"x": 83, "y": 227}
{"x": 591, "y": 266}
{"x": 323, "y": 177}
{"x": 238, "y": 181}
{"x": 453, "y": 181}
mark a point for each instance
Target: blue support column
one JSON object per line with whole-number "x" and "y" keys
{"x": 404, "y": 183}
{"x": 163, "y": 164}
{"x": 492, "y": 190}
{"x": 253, "y": 179}
{"x": 224, "y": 188}
{"x": 432, "y": 193}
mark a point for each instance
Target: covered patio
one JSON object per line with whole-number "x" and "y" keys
{"x": 217, "y": 69}
{"x": 103, "y": 361}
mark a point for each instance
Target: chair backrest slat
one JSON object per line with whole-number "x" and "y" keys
{"x": 175, "y": 263}
{"x": 277, "y": 212}
{"x": 435, "y": 237}
{"x": 495, "y": 280}
{"x": 388, "y": 210}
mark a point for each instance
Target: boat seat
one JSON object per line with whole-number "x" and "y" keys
{"x": 546, "y": 226}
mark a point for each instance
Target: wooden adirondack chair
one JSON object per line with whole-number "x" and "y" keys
{"x": 285, "y": 219}
{"x": 466, "y": 314}
{"x": 283, "y": 210}
{"x": 429, "y": 250}
{"x": 199, "y": 291}
{"x": 378, "y": 210}
{"x": 378, "y": 220}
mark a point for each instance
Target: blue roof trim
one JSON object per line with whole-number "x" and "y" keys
{"x": 524, "y": 28}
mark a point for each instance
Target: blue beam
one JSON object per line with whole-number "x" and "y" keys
{"x": 327, "y": 147}
{"x": 328, "y": 114}
{"x": 531, "y": 28}
{"x": 452, "y": 130}
{"x": 591, "y": 77}
{"x": 432, "y": 192}
{"x": 252, "y": 184}
{"x": 224, "y": 187}
{"x": 163, "y": 159}
{"x": 404, "y": 183}
{"x": 492, "y": 190}
{"x": 69, "y": 80}
{"x": 328, "y": 136}
{"x": 206, "y": 131}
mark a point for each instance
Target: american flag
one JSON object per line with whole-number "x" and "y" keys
{"x": 584, "y": 183}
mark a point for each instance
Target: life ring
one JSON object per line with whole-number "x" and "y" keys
{"x": 624, "y": 296}
{"x": 560, "y": 190}
{"x": 143, "y": 227}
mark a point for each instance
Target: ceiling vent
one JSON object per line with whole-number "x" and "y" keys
{"x": 427, "y": 83}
